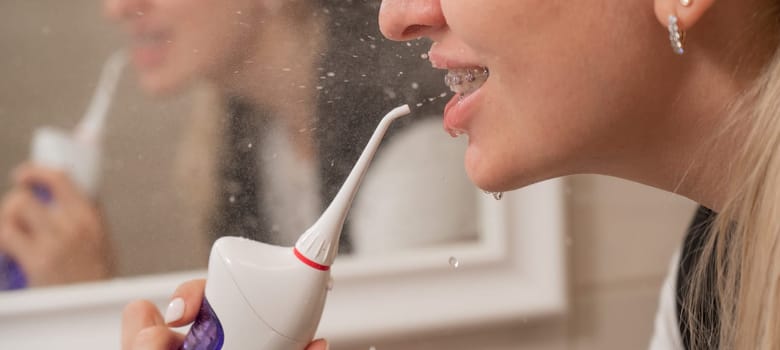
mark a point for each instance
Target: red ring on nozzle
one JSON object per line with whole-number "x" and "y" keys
{"x": 306, "y": 261}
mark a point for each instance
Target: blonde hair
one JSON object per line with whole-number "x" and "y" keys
{"x": 739, "y": 264}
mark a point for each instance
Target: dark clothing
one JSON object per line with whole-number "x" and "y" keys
{"x": 695, "y": 240}
{"x": 238, "y": 212}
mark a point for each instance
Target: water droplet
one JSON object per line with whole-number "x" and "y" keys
{"x": 250, "y": 145}
{"x": 408, "y": 44}
{"x": 424, "y": 56}
{"x": 331, "y": 74}
{"x": 330, "y": 284}
{"x": 372, "y": 348}
{"x": 415, "y": 85}
{"x": 443, "y": 95}
{"x": 232, "y": 199}
{"x": 496, "y": 195}
{"x": 139, "y": 13}
{"x": 238, "y": 12}
{"x": 454, "y": 262}
{"x": 286, "y": 69}
{"x": 419, "y": 104}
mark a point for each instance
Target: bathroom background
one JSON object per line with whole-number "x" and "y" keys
{"x": 619, "y": 239}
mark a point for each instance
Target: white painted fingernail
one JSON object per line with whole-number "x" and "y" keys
{"x": 175, "y": 310}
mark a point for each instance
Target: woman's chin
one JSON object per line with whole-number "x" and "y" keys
{"x": 496, "y": 174}
{"x": 484, "y": 173}
{"x": 155, "y": 86}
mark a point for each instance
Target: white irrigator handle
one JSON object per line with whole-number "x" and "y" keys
{"x": 320, "y": 242}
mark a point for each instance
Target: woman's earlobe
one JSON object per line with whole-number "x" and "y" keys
{"x": 687, "y": 12}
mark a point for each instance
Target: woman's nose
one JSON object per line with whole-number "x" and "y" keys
{"x": 411, "y": 19}
{"x": 120, "y": 9}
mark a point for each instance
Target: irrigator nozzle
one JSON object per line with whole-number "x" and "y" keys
{"x": 320, "y": 243}
{"x": 90, "y": 127}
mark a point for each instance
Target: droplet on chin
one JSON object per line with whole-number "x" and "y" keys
{"x": 455, "y": 133}
{"x": 496, "y": 195}
{"x": 454, "y": 262}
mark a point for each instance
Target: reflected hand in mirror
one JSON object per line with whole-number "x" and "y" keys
{"x": 61, "y": 240}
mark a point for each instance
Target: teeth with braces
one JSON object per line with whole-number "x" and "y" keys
{"x": 466, "y": 80}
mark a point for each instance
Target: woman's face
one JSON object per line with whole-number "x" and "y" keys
{"x": 173, "y": 41}
{"x": 571, "y": 86}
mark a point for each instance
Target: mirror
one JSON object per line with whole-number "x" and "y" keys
{"x": 239, "y": 118}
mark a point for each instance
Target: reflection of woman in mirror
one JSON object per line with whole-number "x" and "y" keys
{"x": 256, "y": 55}
{"x": 294, "y": 90}
{"x": 594, "y": 87}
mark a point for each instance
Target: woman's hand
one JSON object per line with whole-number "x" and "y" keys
{"x": 143, "y": 327}
{"x": 57, "y": 240}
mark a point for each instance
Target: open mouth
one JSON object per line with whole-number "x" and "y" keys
{"x": 149, "y": 39}
{"x": 465, "y": 81}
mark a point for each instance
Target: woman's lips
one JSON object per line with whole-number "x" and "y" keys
{"x": 466, "y": 82}
{"x": 149, "y": 50}
{"x": 460, "y": 111}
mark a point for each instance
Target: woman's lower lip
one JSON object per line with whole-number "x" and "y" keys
{"x": 459, "y": 112}
{"x": 148, "y": 57}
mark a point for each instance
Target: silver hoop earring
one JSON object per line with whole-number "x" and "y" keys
{"x": 676, "y": 37}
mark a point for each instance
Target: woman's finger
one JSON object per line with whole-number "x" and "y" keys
{"x": 58, "y": 182}
{"x": 23, "y": 210}
{"x": 185, "y": 303}
{"x": 136, "y": 317}
{"x": 14, "y": 242}
{"x": 319, "y": 344}
{"x": 157, "y": 338}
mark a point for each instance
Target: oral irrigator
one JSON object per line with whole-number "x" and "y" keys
{"x": 76, "y": 153}
{"x": 261, "y": 296}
